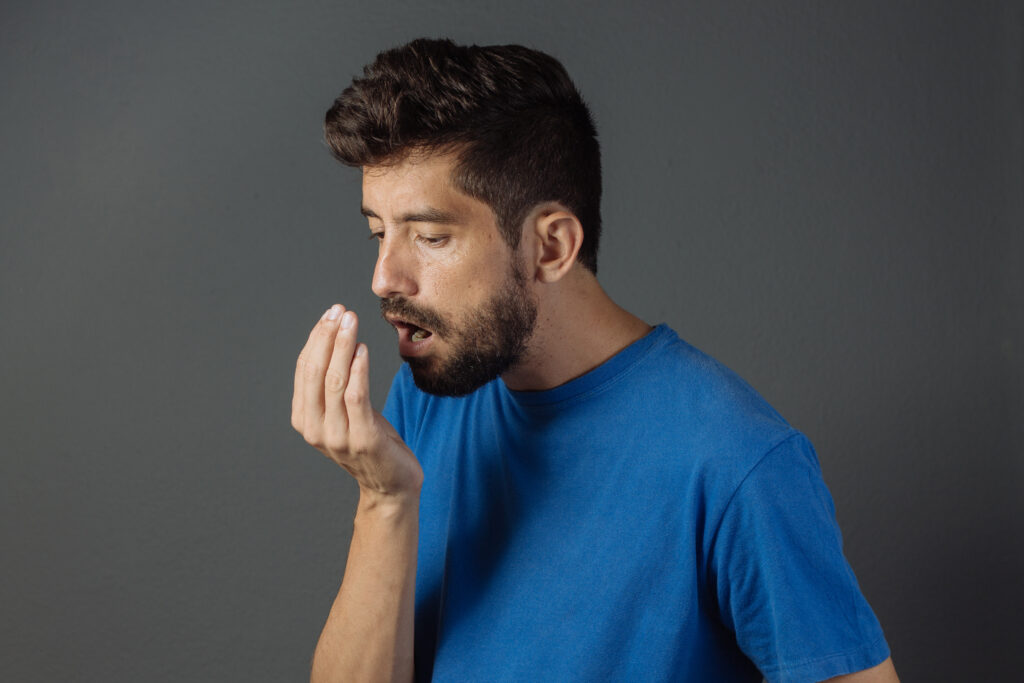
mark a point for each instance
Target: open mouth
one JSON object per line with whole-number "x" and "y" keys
{"x": 407, "y": 330}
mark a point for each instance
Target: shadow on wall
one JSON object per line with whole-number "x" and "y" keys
{"x": 942, "y": 525}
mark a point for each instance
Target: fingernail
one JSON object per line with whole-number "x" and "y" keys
{"x": 347, "y": 320}
{"x": 333, "y": 312}
{"x": 361, "y": 350}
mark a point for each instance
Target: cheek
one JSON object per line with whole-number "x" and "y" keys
{"x": 454, "y": 294}
{"x": 457, "y": 279}
{"x": 465, "y": 278}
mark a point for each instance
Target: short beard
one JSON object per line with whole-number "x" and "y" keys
{"x": 492, "y": 340}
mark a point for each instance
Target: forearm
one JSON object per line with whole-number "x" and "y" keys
{"x": 883, "y": 673}
{"x": 369, "y": 632}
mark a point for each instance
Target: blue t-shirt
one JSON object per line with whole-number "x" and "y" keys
{"x": 652, "y": 520}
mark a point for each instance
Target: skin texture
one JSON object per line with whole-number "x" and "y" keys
{"x": 883, "y": 673}
{"x": 457, "y": 276}
{"x": 483, "y": 314}
{"x": 440, "y": 252}
{"x": 374, "y": 606}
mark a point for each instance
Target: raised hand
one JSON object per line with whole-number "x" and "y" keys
{"x": 331, "y": 409}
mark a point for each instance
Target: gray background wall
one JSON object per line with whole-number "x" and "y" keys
{"x": 829, "y": 197}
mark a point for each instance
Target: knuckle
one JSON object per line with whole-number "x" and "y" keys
{"x": 313, "y": 439}
{"x": 337, "y": 442}
{"x": 325, "y": 331}
{"x": 310, "y": 370}
{"x": 355, "y": 393}
{"x": 334, "y": 381}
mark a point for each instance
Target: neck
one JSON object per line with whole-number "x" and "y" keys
{"x": 578, "y": 328}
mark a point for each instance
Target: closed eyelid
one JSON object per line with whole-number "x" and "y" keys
{"x": 434, "y": 239}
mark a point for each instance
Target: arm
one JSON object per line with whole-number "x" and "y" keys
{"x": 369, "y": 631}
{"x": 883, "y": 673}
{"x": 783, "y": 584}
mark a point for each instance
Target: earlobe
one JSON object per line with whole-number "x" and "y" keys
{"x": 559, "y": 236}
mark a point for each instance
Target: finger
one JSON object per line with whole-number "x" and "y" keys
{"x": 357, "y": 396}
{"x": 337, "y": 378}
{"x": 300, "y": 383}
{"x": 315, "y": 358}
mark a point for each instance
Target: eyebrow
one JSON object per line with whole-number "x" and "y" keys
{"x": 427, "y": 215}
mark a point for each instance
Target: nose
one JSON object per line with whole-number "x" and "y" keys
{"x": 392, "y": 275}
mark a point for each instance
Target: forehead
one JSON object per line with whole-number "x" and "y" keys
{"x": 416, "y": 183}
{"x": 412, "y": 168}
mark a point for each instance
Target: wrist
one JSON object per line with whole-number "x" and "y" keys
{"x": 381, "y": 504}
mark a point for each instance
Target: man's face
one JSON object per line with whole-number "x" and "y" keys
{"x": 448, "y": 282}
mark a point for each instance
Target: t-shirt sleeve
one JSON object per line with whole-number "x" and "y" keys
{"x": 780, "y": 577}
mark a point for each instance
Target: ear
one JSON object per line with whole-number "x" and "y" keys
{"x": 558, "y": 236}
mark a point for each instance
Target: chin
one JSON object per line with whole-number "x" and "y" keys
{"x": 454, "y": 379}
{"x": 441, "y": 385}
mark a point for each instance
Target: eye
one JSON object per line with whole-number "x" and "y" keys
{"x": 377, "y": 235}
{"x": 432, "y": 241}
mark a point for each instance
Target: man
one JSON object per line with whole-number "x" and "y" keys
{"x": 555, "y": 491}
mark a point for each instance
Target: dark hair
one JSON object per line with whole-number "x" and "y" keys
{"x": 519, "y": 127}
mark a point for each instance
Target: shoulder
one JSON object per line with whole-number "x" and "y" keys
{"x": 710, "y": 413}
{"x": 705, "y": 384}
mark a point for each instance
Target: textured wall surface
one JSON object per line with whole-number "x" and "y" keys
{"x": 827, "y": 197}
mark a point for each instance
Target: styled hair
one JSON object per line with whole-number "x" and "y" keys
{"x": 520, "y": 130}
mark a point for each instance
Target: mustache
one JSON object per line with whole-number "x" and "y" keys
{"x": 426, "y": 318}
